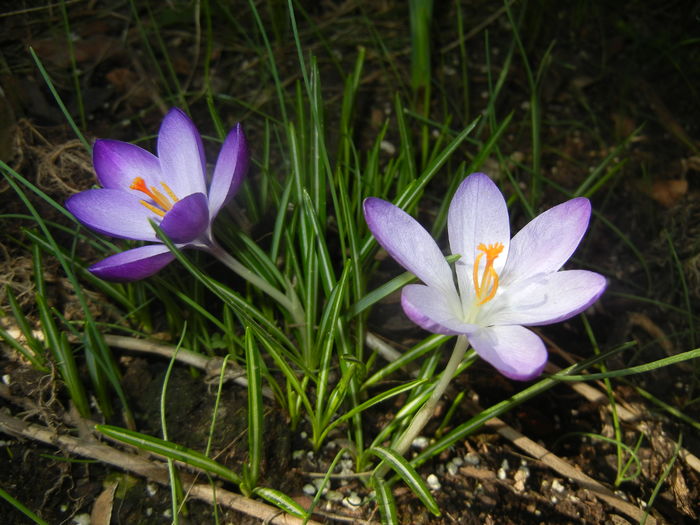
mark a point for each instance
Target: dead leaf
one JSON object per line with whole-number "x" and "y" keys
{"x": 102, "y": 509}
{"x": 669, "y": 192}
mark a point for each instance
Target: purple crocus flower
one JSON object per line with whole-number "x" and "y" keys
{"x": 170, "y": 189}
{"x": 503, "y": 284}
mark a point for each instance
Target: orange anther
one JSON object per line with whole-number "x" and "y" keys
{"x": 164, "y": 203}
{"x": 487, "y": 285}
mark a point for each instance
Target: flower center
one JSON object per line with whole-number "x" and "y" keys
{"x": 486, "y": 284}
{"x": 163, "y": 203}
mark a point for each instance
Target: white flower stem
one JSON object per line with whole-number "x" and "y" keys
{"x": 426, "y": 411}
{"x": 292, "y": 305}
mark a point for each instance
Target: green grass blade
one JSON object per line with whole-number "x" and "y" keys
{"x": 170, "y": 450}
{"x": 57, "y": 98}
{"x": 639, "y": 369}
{"x": 281, "y": 501}
{"x": 255, "y": 409}
{"x": 385, "y": 501}
{"x": 21, "y": 507}
{"x": 409, "y": 475}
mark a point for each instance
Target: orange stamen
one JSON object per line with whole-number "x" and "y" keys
{"x": 487, "y": 286}
{"x": 164, "y": 203}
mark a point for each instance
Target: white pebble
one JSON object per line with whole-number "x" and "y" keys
{"x": 387, "y": 147}
{"x": 309, "y": 489}
{"x": 6, "y": 379}
{"x": 151, "y": 489}
{"x": 433, "y": 482}
{"x": 420, "y": 442}
{"x": 352, "y": 501}
{"x": 472, "y": 459}
{"x": 458, "y": 461}
{"x": 558, "y": 487}
{"x": 81, "y": 519}
{"x": 452, "y": 468}
{"x": 334, "y": 496}
{"x": 502, "y": 474}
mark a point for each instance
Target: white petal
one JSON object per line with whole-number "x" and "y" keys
{"x": 433, "y": 310}
{"x": 477, "y": 214}
{"x": 546, "y": 299}
{"x": 408, "y": 242}
{"x": 547, "y": 241}
{"x": 514, "y": 351}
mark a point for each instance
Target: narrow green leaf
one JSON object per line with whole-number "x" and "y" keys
{"x": 409, "y": 475}
{"x": 255, "y": 409}
{"x": 385, "y": 501}
{"x": 170, "y": 450}
{"x": 281, "y": 501}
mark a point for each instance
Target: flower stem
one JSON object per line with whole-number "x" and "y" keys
{"x": 426, "y": 411}
{"x": 292, "y": 305}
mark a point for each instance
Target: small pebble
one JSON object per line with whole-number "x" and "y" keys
{"x": 309, "y": 489}
{"x": 433, "y": 482}
{"x": 81, "y": 519}
{"x": 502, "y": 474}
{"x": 420, "y": 442}
{"x": 558, "y": 487}
{"x": 458, "y": 461}
{"x": 151, "y": 489}
{"x": 318, "y": 483}
{"x": 452, "y": 468}
{"x": 6, "y": 379}
{"x": 334, "y": 496}
{"x": 352, "y": 501}
{"x": 387, "y": 147}
{"x": 472, "y": 459}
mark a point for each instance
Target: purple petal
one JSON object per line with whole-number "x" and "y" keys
{"x": 113, "y": 212}
{"x": 547, "y": 241}
{"x": 514, "y": 351}
{"x": 547, "y": 299}
{"x": 408, "y": 242}
{"x": 118, "y": 163}
{"x": 181, "y": 154}
{"x": 133, "y": 265}
{"x": 432, "y": 310}
{"x": 187, "y": 219}
{"x": 231, "y": 167}
{"x": 477, "y": 214}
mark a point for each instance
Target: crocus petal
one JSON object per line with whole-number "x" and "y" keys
{"x": 548, "y": 298}
{"x": 432, "y": 310}
{"x": 187, "y": 219}
{"x": 408, "y": 242}
{"x": 478, "y": 214}
{"x": 118, "y": 163}
{"x": 133, "y": 265}
{"x": 514, "y": 351}
{"x": 547, "y": 241}
{"x": 231, "y": 167}
{"x": 113, "y": 212}
{"x": 181, "y": 154}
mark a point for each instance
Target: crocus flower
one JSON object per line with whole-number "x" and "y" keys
{"x": 170, "y": 189}
{"x": 503, "y": 284}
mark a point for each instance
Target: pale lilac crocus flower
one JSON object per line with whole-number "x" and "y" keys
{"x": 503, "y": 284}
{"x": 170, "y": 189}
